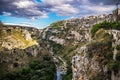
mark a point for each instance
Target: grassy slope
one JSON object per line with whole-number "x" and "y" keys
{"x": 16, "y": 37}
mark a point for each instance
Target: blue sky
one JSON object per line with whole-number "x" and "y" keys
{"x": 38, "y": 23}
{"x": 41, "y": 13}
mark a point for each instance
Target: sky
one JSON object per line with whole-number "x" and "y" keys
{"x": 41, "y": 13}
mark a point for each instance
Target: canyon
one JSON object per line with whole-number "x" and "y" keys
{"x": 77, "y": 51}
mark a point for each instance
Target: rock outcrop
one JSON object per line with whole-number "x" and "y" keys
{"x": 16, "y": 37}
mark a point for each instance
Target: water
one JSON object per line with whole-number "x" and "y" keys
{"x": 61, "y": 68}
{"x": 59, "y": 77}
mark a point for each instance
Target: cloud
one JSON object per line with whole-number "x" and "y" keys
{"x": 6, "y": 13}
{"x": 80, "y": 7}
{"x": 61, "y": 7}
{"x": 33, "y": 9}
{"x": 24, "y": 4}
{"x": 104, "y": 2}
{"x": 22, "y": 8}
{"x": 65, "y": 9}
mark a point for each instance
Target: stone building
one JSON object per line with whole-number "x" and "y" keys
{"x": 116, "y": 14}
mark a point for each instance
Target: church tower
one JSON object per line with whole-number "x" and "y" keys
{"x": 116, "y": 13}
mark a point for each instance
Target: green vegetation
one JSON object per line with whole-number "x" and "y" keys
{"x": 118, "y": 47}
{"x": 102, "y": 36}
{"x": 101, "y": 48}
{"x": 57, "y": 25}
{"x": 102, "y": 51}
{"x": 118, "y": 53}
{"x": 37, "y": 70}
{"x": 105, "y": 25}
{"x": 57, "y": 48}
{"x": 113, "y": 66}
{"x": 68, "y": 75}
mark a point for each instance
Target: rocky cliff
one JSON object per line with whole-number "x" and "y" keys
{"x": 21, "y": 56}
{"x": 93, "y": 54}
{"x": 17, "y": 37}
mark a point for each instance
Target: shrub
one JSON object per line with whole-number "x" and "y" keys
{"x": 57, "y": 25}
{"x": 46, "y": 57}
{"x": 118, "y": 47}
{"x": 105, "y": 25}
{"x": 33, "y": 64}
{"x": 113, "y": 66}
{"x": 37, "y": 70}
{"x": 118, "y": 56}
{"x": 57, "y": 48}
{"x": 15, "y": 64}
{"x": 68, "y": 75}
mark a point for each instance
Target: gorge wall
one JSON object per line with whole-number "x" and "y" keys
{"x": 21, "y": 56}
{"x": 93, "y": 57}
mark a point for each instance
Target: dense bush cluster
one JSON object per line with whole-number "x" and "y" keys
{"x": 105, "y": 25}
{"x": 115, "y": 65}
{"x": 37, "y": 70}
{"x": 68, "y": 75}
{"x": 102, "y": 51}
{"x": 57, "y": 25}
{"x": 57, "y": 48}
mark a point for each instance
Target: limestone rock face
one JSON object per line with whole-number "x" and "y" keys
{"x": 76, "y": 34}
{"x": 16, "y": 37}
{"x": 11, "y": 43}
{"x": 57, "y": 40}
{"x": 27, "y": 35}
{"x": 91, "y": 60}
{"x": 85, "y": 68}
